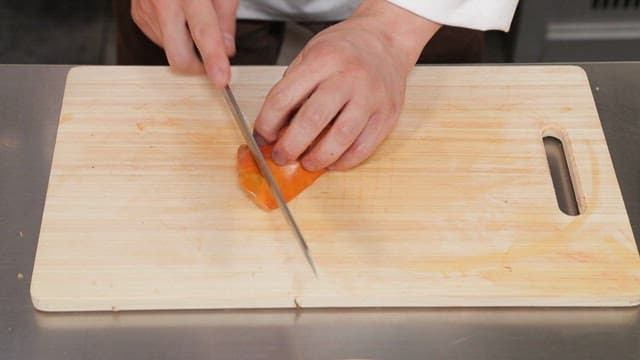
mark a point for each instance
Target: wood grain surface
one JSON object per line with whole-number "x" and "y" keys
{"x": 456, "y": 208}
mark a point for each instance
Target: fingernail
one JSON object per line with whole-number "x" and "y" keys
{"x": 219, "y": 76}
{"x": 259, "y": 139}
{"x": 229, "y": 43}
{"x": 278, "y": 158}
{"x": 308, "y": 165}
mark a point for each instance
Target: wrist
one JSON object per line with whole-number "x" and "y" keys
{"x": 401, "y": 30}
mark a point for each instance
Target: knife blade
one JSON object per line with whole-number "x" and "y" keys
{"x": 242, "y": 123}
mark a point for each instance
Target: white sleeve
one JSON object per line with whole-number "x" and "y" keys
{"x": 472, "y": 14}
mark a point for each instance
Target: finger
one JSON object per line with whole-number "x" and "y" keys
{"x": 285, "y": 98}
{"x": 226, "y": 10}
{"x": 177, "y": 41}
{"x": 348, "y": 125}
{"x": 316, "y": 113}
{"x": 293, "y": 64}
{"x": 376, "y": 130}
{"x": 259, "y": 139}
{"x": 205, "y": 31}
{"x": 141, "y": 18}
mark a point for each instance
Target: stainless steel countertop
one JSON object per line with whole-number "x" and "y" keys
{"x": 30, "y": 100}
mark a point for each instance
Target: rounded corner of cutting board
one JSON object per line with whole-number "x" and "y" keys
{"x": 578, "y": 71}
{"x": 40, "y": 296}
{"x": 634, "y": 301}
{"x": 36, "y": 299}
{"x": 78, "y": 71}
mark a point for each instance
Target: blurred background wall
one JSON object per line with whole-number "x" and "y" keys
{"x": 83, "y": 32}
{"x": 57, "y": 32}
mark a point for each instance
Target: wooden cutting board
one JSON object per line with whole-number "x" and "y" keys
{"x": 456, "y": 208}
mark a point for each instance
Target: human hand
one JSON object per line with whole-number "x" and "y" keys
{"x": 345, "y": 90}
{"x": 176, "y": 25}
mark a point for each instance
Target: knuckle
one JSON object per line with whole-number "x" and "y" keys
{"x": 321, "y": 55}
{"x": 137, "y": 20}
{"x": 210, "y": 58}
{"x": 162, "y": 6}
{"x": 278, "y": 98}
{"x": 313, "y": 119}
{"x": 352, "y": 64}
{"x": 178, "y": 61}
{"x": 344, "y": 133}
{"x": 323, "y": 50}
{"x": 201, "y": 34}
{"x": 137, "y": 13}
{"x": 356, "y": 70}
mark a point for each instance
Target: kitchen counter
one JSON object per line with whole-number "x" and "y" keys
{"x": 30, "y": 100}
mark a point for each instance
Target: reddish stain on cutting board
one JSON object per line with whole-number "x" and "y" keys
{"x": 291, "y": 178}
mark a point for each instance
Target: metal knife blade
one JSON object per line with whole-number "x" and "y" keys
{"x": 266, "y": 172}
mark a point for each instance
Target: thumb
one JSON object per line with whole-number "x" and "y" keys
{"x": 226, "y": 11}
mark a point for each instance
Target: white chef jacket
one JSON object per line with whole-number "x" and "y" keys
{"x": 473, "y": 14}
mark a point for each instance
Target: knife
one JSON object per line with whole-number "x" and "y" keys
{"x": 266, "y": 172}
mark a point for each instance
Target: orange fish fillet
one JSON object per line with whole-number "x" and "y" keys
{"x": 291, "y": 178}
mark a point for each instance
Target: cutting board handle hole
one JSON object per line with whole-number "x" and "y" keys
{"x": 561, "y": 175}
